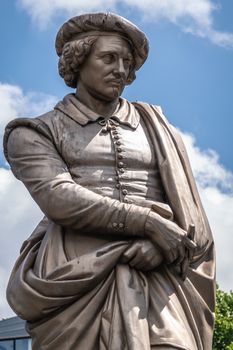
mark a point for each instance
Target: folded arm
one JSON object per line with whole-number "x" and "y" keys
{"x": 35, "y": 161}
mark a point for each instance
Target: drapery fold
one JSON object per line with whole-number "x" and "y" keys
{"x": 115, "y": 307}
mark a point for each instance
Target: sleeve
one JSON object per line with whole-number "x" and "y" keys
{"x": 35, "y": 161}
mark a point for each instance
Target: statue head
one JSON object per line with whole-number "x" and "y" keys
{"x": 76, "y": 38}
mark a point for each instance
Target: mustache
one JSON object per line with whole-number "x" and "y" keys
{"x": 119, "y": 80}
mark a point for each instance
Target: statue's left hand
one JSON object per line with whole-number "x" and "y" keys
{"x": 142, "y": 255}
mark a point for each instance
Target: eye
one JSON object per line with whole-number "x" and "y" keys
{"x": 108, "y": 58}
{"x": 127, "y": 62}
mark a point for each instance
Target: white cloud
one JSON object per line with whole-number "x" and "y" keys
{"x": 195, "y": 17}
{"x": 207, "y": 168}
{"x": 19, "y": 217}
{"x": 43, "y": 11}
{"x": 215, "y": 185}
{"x": 19, "y": 213}
{"x": 14, "y": 103}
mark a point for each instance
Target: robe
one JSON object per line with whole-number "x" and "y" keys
{"x": 93, "y": 300}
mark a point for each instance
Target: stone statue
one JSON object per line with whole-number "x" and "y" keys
{"x": 123, "y": 259}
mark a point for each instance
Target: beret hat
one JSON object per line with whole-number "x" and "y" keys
{"x": 104, "y": 22}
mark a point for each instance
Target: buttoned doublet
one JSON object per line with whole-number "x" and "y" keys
{"x": 96, "y": 180}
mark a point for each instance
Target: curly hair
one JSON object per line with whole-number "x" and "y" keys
{"x": 73, "y": 55}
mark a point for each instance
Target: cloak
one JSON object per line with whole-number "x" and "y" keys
{"x": 94, "y": 301}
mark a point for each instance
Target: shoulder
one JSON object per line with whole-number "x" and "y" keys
{"x": 147, "y": 105}
{"x": 154, "y": 114}
{"x": 19, "y": 130}
{"x": 150, "y": 110}
{"x": 34, "y": 123}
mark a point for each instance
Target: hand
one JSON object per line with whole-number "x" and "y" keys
{"x": 170, "y": 238}
{"x": 142, "y": 255}
{"x": 184, "y": 265}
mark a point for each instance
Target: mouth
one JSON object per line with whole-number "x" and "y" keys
{"x": 116, "y": 82}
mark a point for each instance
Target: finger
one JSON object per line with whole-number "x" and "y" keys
{"x": 170, "y": 255}
{"x": 137, "y": 260}
{"x": 131, "y": 251}
{"x": 189, "y": 243}
{"x": 191, "y": 235}
{"x": 142, "y": 266}
{"x": 191, "y": 232}
{"x": 147, "y": 265}
{"x": 181, "y": 255}
{"x": 190, "y": 254}
{"x": 153, "y": 264}
{"x": 190, "y": 251}
{"x": 150, "y": 263}
{"x": 184, "y": 268}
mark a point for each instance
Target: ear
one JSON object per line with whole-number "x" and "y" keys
{"x": 131, "y": 78}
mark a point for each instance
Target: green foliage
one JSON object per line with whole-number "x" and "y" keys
{"x": 223, "y": 332}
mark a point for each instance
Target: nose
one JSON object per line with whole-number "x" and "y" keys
{"x": 120, "y": 69}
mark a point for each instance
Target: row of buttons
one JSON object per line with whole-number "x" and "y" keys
{"x": 120, "y": 164}
{"x": 124, "y": 191}
{"x": 111, "y": 127}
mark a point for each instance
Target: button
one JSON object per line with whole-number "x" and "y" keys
{"x": 121, "y": 170}
{"x": 118, "y": 143}
{"x": 129, "y": 201}
{"x": 121, "y": 164}
{"x": 120, "y": 156}
{"x": 116, "y": 137}
{"x": 115, "y": 225}
{"x": 119, "y": 149}
{"x": 104, "y": 130}
{"x": 117, "y": 185}
{"x": 121, "y": 225}
{"x": 115, "y": 132}
{"x": 114, "y": 127}
{"x": 125, "y": 192}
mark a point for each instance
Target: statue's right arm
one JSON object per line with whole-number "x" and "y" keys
{"x": 35, "y": 161}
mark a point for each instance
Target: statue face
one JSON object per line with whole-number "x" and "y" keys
{"x": 105, "y": 70}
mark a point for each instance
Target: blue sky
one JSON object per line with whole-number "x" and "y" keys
{"x": 190, "y": 77}
{"x": 189, "y": 73}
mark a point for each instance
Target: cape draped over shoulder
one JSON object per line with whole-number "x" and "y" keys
{"x": 98, "y": 298}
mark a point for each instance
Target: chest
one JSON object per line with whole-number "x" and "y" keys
{"x": 100, "y": 145}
